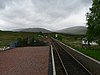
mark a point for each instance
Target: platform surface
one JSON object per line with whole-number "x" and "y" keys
{"x": 25, "y": 61}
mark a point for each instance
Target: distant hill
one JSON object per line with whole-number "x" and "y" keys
{"x": 76, "y": 30}
{"x": 33, "y": 30}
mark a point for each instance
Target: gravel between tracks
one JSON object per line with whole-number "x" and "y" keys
{"x": 25, "y": 61}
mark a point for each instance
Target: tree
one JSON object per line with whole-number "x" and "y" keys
{"x": 93, "y": 22}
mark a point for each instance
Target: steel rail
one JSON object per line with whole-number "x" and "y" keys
{"x": 69, "y": 55}
{"x": 76, "y": 60}
{"x": 60, "y": 60}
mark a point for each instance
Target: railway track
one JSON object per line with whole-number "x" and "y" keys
{"x": 65, "y": 63}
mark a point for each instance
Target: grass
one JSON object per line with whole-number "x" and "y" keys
{"x": 91, "y": 52}
{"x": 7, "y": 37}
{"x": 75, "y": 42}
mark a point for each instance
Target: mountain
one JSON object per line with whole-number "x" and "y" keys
{"x": 33, "y": 30}
{"x": 76, "y": 30}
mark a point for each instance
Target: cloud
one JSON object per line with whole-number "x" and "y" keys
{"x": 50, "y": 14}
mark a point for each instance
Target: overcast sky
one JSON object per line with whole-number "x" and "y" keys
{"x": 49, "y": 14}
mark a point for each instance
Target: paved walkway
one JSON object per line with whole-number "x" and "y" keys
{"x": 25, "y": 61}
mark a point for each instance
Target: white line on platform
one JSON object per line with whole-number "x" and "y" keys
{"x": 53, "y": 62}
